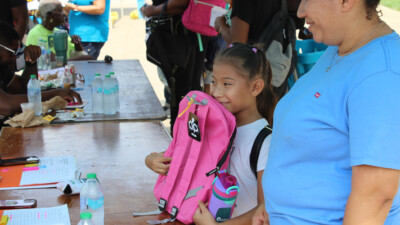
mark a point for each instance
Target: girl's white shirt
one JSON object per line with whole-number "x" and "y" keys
{"x": 239, "y": 164}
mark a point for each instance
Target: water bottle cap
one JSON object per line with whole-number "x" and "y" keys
{"x": 86, "y": 215}
{"x": 108, "y": 75}
{"x": 33, "y": 76}
{"x": 97, "y": 74}
{"x": 91, "y": 176}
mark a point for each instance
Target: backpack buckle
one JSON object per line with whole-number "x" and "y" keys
{"x": 162, "y": 204}
{"x": 174, "y": 212}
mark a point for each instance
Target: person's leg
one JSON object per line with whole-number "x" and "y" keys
{"x": 167, "y": 91}
{"x": 93, "y": 48}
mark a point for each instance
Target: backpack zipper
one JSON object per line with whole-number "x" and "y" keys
{"x": 225, "y": 156}
{"x": 204, "y": 3}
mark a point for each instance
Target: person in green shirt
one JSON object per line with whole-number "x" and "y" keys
{"x": 52, "y": 15}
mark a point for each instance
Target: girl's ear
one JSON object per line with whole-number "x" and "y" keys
{"x": 256, "y": 87}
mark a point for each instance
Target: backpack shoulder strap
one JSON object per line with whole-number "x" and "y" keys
{"x": 255, "y": 150}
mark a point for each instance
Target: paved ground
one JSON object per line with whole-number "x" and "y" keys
{"x": 126, "y": 41}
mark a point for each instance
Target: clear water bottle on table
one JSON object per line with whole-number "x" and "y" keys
{"x": 86, "y": 219}
{"x": 35, "y": 95}
{"x": 97, "y": 94}
{"x": 92, "y": 199}
{"x": 116, "y": 90}
{"x": 44, "y": 61}
{"x": 108, "y": 96}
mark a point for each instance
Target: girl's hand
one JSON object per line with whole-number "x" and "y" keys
{"x": 158, "y": 163}
{"x": 203, "y": 216}
{"x": 260, "y": 217}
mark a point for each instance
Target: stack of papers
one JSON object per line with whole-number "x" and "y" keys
{"x": 40, "y": 216}
{"x": 49, "y": 171}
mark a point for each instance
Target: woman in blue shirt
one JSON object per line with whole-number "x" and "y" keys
{"x": 89, "y": 20}
{"x": 334, "y": 156}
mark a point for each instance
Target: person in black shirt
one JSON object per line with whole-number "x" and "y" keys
{"x": 15, "y": 12}
{"x": 248, "y": 19}
{"x": 13, "y": 88}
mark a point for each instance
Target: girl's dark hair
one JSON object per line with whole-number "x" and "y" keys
{"x": 371, "y": 6}
{"x": 251, "y": 62}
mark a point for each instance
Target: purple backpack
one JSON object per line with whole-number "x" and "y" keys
{"x": 197, "y": 16}
{"x": 203, "y": 136}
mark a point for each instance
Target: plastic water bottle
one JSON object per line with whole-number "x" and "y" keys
{"x": 46, "y": 56}
{"x": 43, "y": 52}
{"x": 116, "y": 91}
{"x": 108, "y": 96}
{"x": 86, "y": 219}
{"x": 35, "y": 95}
{"x": 223, "y": 197}
{"x": 44, "y": 62}
{"x": 92, "y": 199}
{"x": 97, "y": 94}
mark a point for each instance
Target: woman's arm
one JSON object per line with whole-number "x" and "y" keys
{"x": 238, "y": 32}
{"x": 97, "y": 8}
{"x": 372, "y": 193}
{"x": 174, "y": 7}
{"x": 10, "y": 104}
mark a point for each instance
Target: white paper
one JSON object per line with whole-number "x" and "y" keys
{"x": 40, "y": 216}
{"x": 52, "y": 169}
{"x": 216, "y": 11}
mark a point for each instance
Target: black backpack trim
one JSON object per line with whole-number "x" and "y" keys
{"x": 224, "y": 157}
{"x": 255, "y": 150}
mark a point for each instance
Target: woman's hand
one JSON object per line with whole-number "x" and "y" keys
{"x": 148, "y": 10}
{"x": 260, "y": 216}
{"x": 158, "y": 163}
{"x": 69, "y": 6}
{"x": 69, "y": 95}
{"x": 76, "y": 40}
{"x": 219, "y": 23}
{"x": 32, "y": 53}
{"x": 203, "y": 215}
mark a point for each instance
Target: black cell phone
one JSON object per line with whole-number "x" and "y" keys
{"x": 18, "y": 204}
{"x": 19, "y": 161}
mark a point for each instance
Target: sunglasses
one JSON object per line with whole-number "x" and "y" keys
{"x": 14, "y": 53}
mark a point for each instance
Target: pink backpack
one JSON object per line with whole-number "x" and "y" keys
{"x": 203, "y": 136}
{"x": 197, "y": 16}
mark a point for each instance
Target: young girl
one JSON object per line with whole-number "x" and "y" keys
{"x": 242, "y": 84}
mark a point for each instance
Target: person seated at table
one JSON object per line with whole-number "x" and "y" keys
{"x": 52, "y": 15}
{"x": 12, "y": 87}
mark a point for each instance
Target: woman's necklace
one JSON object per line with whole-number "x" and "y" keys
{"x": 351, "y": 50}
